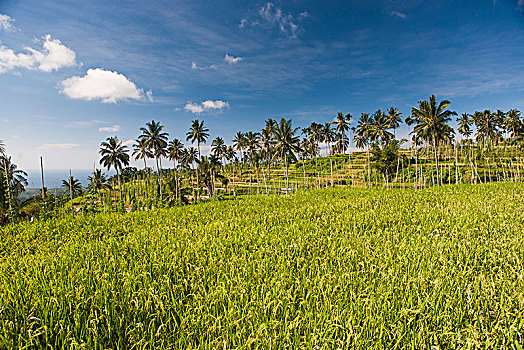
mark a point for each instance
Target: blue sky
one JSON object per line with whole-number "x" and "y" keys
{"x": 75, "y": 72}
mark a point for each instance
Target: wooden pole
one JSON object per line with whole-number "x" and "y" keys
{"x": 42, "y": 173}
{"x": 71, "y": 191}
{"x": 8, "y": 193}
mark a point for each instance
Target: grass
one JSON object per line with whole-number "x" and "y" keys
{"x": 339, "y": 268}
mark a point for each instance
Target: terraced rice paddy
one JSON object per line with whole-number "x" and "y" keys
{"x": 338, "y": 268}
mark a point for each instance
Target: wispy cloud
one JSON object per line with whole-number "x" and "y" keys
{"x": 104, "y": 85}
{"x": 194, "y": 66}
{"x": 399, "y": 14}
{"x": 205, "y": 106}
{"x": 56, "y": 146}
{"x": 128, "y": 142}
{"x": 114, "y": 128}
{"x": 6, "y": 23}
{"x": 232, "y": 59}
{"x": 272, "y": 16}
{"x": 53, "y": 56}
{"x": 83, "y": 123}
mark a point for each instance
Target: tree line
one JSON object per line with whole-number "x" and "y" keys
{"x": 280, "y": 145}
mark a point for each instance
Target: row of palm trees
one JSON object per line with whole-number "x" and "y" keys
{"x": 281, "y": 142}
{"x": 278, "y": 144}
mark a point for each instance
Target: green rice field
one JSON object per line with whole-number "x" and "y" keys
{"x": 339, "y": 268}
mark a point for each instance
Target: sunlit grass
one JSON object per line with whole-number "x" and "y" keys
{"x": 338, "y": 268}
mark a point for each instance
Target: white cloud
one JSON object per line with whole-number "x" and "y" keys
{"x": 243, "y": 23}
{"x": 53, "y": 56}
{"x": 273, "y": 16}
{"x": 205, "y": 106}
{"x": 194, "y": 66}
{"x": 56, "y": 146}
{"x": 149, "y": 96}
{"x": 114, "y": 128}
{"x": 399, "y": 14}
{"x": 214, "y": 104}
{"x": 6, "y": 23}
{"x": 84, "y": 123}
{"x": 194, "y": 108}
{"x": 232, "y": 59}
{"x": 128, "y": 142}
{"x": 104, "y": 85}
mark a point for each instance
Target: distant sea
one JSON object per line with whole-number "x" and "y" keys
{"x": 54, "y": 177}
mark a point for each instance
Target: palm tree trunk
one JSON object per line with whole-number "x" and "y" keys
{"x": 193, "y": 188}
{"x": 318, "y": 175}
{"x": 269, "y": 166}
{"x": 198, "y": 186}
{"x": 287, "y": 177}
{"x": 176, "y": 182}
{"x": 331, "y": 165}
{"x": 119, "y": 185}
{"x": 436, "y": 156}
{"x": 158, "y": 177}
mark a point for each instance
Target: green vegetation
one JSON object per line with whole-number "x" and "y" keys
{"x": 338, "y": 268}
{"x": 282, "y": 159}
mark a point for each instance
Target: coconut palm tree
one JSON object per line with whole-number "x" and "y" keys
{"x": 141, "y": 150}
{"x": 464, "y": 125}
{"x": 363, "y": 126}
{"x": 197, "y": 132}
{"x": 271, "y": 124}
{"x": 378, "y": 128}
{"x": 342, "y": 124}
{"x": 512, "y": 122}
{"x": 328, "y": 136}
{"x": 431, "y": 123}
{"x": 362, "y": 139}
{"x": 98, "y": 182}
{"x": 175, "y": 153}
{"x": 12, "y": 183}
{"x": 500, "y": 117}
{"x": 230, "y": 156}
{"x": 286, "y": 143}
{"x": 16, "y": 178}
{"x": 252, "y": 144}
{"x": 218, "y": 147}
{"x": 238, "y": 143}
{"x": 314, "y": 132}
{"x": 486, "y": 123}
{"x": 341, "y": 142}
{"x": 394, "y": 118}
{"x": 191, "y": 157}
{"x": 156, "y": 140}
{"x": 267, "y": 144}
{"x": 175, "y": 149}
{"x": 208, "y": 169}
{"x": 114, "y": 155}
{"x": 72, "y": 186}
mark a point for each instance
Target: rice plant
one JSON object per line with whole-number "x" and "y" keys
{"x": 340, "y": 268}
